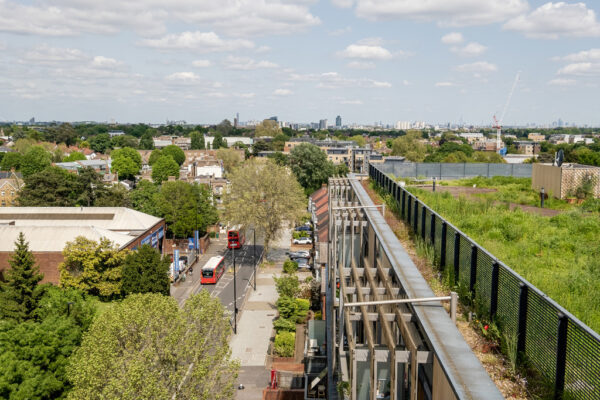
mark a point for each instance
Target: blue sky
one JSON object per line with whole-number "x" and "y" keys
{"x": 303, "y": 60}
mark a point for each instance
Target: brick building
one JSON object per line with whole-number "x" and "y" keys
{"x": 48, "y": 229}
{"x": 10, "y": 184}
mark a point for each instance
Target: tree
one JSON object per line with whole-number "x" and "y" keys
{"x": 100, "y": 142}
{"x": 74, "y": 156}
{"x": 218, "y": 142}
{"x": 183, "y": 204}
{"x": 224, "y": 128}
{"x": 53, "y": 187}
{"x": 36, "y": 159}
{"x": 146, "y": 142}
{"x": 145, "y": 347}
{"x": 310, "y": 165}
{"x": 20, "y": 293}
{"x": 278, "y": 142}
{"x": 264, "y": 195}
{"x": 267, "y": 128}
{"x": 93, "y": 267}
{"x": 197, "y": 141}
{"x": 164, "y": 167}
{"x": 144, "y": 198}
{"x": 11, "y": 160}
{"x": 261, "y": 145}
{"x": 175, "y": 152}
{"x": 279, "y": 158}
{"x": 410, "y": 147}
{"x": 144, "y": 271}
{"x": 126, "y": 162}
{"x": 154, "y": 156}
{"x": 359, "y": 140}
{"x": 123, "y": 141}
{"x": 231, "y": 158}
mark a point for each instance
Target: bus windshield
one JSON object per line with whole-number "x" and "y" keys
{"x": 207, "y": 273}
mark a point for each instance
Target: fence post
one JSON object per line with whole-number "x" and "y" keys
{"x": 409, "y": 209}
{"x": 522, "y": 327}
{"x": 416, "y": 217}
{"x": 403, "y": 205}
{"x": 561, "y": 356}
{"x": 456, "y": 256}
{"x": 494, "y": 291}
{"x": 473, "y": 271}
{"x": 432, "y": 229}
{"x": 423, "y": 217}
{"x": 443, "y": 246}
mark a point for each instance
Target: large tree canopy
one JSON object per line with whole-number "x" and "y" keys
{"x": 144, "y": 271}
{"x": 264, "y": 195}
{"x": 126, "y": 162}
{"x": 146, "y": 347}
{"x": 164, "y": 167}
{"x": 311, "y": 167}
{"x": 36, "y": 159}
{"x": 175, "y": 152}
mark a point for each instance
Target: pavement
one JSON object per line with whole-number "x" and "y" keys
{"x": 251, "y": 344}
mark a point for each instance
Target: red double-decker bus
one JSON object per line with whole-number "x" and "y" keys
{"x": 212, "y": 270}
{"x": 235, "y": 238}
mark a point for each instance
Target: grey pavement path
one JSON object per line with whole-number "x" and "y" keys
{"x": 255, "y": 325}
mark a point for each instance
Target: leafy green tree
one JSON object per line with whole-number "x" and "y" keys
{"x": 175, "y": 152}
{"x": 410, "y": 147}
{"x": 11, "y": 160}
{"x": 20, "y": 293}
{"x": 218, "y": 142}
{"x": 278, "y": 142}
{"x": 154, "y": 156}
{"x": 197, "y": 141}
{"x": 144, "y": 198}
{"x": 231, "y": 158}
{"x": 311, "y": 167}
{"x": 182, "y": 204}
{"x": 126, "y": 162}
{"x": 342, "y": 170}
{"x": 123, "y": 141}
{"x": 261, "y": 145}
{"x": 164, "y": 167}
{"x": 93, "y": 267}
{"x": 53, "y": 187}
{"x": 146, "y": 142}
{"x": 100, "y": 142}
{"x": 36, "y": 159}
{"x": 264, "y": 195}
{"x": 267, "y": 128}
{"x": 74, "y": 156}
{"x": 224, "y": 128}
{"x": 359, "y": 140}
{"x": 285, "y": 344}
{"x": 144, "y": 271}
{"x": 147, "y": 347}
{"x": 279, "y": 158}
{"x": 113, "y": 196}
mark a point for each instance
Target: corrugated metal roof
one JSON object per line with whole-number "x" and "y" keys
{"x": 53, "y": 239}
{"x": 112, "y": 218}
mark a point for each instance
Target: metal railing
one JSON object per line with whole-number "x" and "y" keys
{"x": 559, "y": 347}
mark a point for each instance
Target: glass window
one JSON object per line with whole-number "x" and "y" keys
{"x": 207, "y": 273}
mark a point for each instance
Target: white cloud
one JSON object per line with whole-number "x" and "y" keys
{"x": 105, "y": 62}
{"x": 150, "y": 17}
{"x": 477, "y": 67}
{"x": 355, "y": 102}
{"x": 586, "y": 55}
{"x": 554, "y": 20}
{"x": 282, "y": 92}
{"x": 50, "y": 55}
{"x": 184, "y": 77}
{"x": 444, "y": 84}
{"x": 361, "y": 65}
{"x": 472, "y": 49}
{"x": 453, "y": 38}
{"x": 580, "y": 69}
{"x": 445, "y": 12}
{"x": 203, "y": 42}
{"x": 246, "y": 64}
{"x": 341, "y": 31}
{"x": 363, "y": 51}
{"x": 562, "y": 82}
{"x": 201, "y": 63}
{"x": 262, "y": 49}
{"x": 343, "y": 3}
{"x": 245, "y": 95}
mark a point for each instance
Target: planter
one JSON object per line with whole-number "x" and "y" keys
{"x": 571, "y": 200}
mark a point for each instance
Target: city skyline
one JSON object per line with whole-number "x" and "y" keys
{"x": 303, "y": 60}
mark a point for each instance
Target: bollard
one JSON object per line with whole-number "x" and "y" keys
{"x": 542, "y": 198}
{"x": 434, "y": 183}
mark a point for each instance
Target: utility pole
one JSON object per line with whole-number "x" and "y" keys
{"x": 254, "y": 254}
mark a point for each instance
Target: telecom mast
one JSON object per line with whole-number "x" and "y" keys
{"x": 498, "y": 123}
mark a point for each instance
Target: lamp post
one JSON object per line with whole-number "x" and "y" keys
{"x": 254, "y": 254}
{"x": 235, "y": 310}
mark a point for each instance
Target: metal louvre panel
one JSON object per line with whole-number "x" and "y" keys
{"x": 582, "y": 377}
{"x": 541, "y": 337}
{"x": 508, "y": 301}
{"x": 484, "y": 281}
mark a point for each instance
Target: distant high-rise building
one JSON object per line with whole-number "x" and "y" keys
{"x": 322, "y": 124}
{"x": 236, "y": 120}
{"x": 338, "y": 121}
{"x": 402, "y": 125}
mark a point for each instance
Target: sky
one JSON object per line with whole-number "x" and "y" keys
{"x": 368, "y": 61}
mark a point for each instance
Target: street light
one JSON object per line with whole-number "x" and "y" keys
{"x": 235, "y": 310}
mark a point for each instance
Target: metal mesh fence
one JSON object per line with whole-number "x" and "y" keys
{"x": 569, "y": 360}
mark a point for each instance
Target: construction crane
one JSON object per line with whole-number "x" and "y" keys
{"x": 498, "y": 122}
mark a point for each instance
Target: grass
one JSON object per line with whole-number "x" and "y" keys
{"x": 559, "y": 255}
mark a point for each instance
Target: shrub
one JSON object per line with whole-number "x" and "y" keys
{"x": 287, "y": 285}
{"x": 289, "y": 266}
{"x": 300, "y": 234}
{"x": 287, "y": 307}
{"x": 285, "y": 344}
{"x": 282, "y": 324}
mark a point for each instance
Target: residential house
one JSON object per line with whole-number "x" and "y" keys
{"x": 10, "y": 184}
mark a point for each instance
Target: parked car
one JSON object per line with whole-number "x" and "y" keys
{"x": 302, "y": 263}
{"x": 302, "y": 240}
{"x": 303, "y": 228}
{"x": 299, "y": 254}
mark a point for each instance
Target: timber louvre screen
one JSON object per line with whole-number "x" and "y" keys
{"x": 561, "y": 348}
